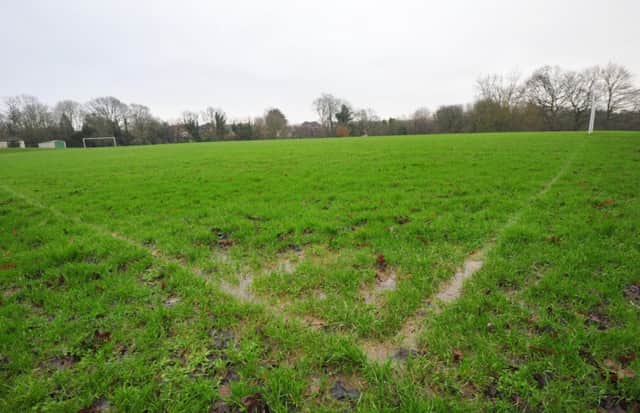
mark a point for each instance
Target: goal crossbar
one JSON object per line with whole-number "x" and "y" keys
{"x": 103, "y": 138}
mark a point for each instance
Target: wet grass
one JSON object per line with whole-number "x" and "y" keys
{"x": 114, "y": 262}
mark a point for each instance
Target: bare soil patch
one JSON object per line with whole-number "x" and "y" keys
{"x": 171, "y": 301}
{"x": 288, "y": 261}
{"x": 343, "y": 392}
{"x": 11, "y": 291}
{"x": 405, "y": 342}
{"x": 99, "y": 406}
{"x": 453, "y": 288}
{"x": 241, "y": 291}
{"x": 632, "y": 292}
{"x": 66, "y": 361}
{"x": 386, "y": 280}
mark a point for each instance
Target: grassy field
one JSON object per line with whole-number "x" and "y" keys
{"x": 315, "y": 275}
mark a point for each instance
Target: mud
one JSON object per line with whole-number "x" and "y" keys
{"x": 453, "y": 288}
{"x": 242, "y": 290}
{"x": 386, "y": 280}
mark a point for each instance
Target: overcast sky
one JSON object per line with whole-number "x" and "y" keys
{"x": 245, "y": 56}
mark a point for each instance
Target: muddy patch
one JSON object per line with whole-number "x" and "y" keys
{"x": 99, "y": 406}
{"x": 399, "y": 348}
{"x": 542, "y": 378}
{"x": 254, "y": 403}
{"x": 315, "y": 323}
{"x": 171, "y": 301}
{"x": 386, "y": 280}
{"x": 453, "y": 288}
{"x": 225, "y": 391}
{"x": 288, "y": 261}
{"x": 374, "y": 295}
{"x": 405, "y": 341}
{"x": 597, "y": 318}
{"x": 379, "y": 351}
{"x": 411, "y": 327}
{"x": 344, "y": 392}
{"x": 314, "y": 387}
{"x": 221, "y": 257}
{"x": 224, "y": 240}
{"x": 407, "y": 337}
{"x": 615, "y": 404}
{"x": 287, "y": 266}
{"x": 404, "y": 353}
{"x": 632, "y": 293}
{"x": 10, "y": 292}
{"x": 222, "y": 339}
{"x": 469, "y": 390}
{"x": 402, "y": 219}
{"x": 62, "y": 362}
{"x": 242, "y": 290}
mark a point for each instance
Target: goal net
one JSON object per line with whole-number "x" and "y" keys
{"x": 99, "y": 142}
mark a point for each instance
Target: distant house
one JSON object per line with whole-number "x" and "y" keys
{"x": 56, "y": 144}
{"x": 12, "y": 143}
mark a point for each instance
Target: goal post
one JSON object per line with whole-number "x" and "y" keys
{"x": 100, "y": 141}
{"x": 592, "y": 117}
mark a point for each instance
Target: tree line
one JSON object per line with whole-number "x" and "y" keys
{"x": 550, "y": 98}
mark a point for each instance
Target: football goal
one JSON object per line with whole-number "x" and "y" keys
{"x": 99, "y": 142}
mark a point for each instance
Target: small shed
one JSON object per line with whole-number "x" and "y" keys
{"x": 56, "y": 144}
{"x": 12, "y": 143}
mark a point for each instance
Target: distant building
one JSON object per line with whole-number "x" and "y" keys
{"x": 12, "y": 143}
{"x": 55, "y": 144}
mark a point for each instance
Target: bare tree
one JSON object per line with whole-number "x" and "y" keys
{"x": 636, "y": 103}
{"x": 421, "y": 120}
{"x": 618, "y": 89}
{"x": 544, "y": 89}
{"x": 506, "y": 91}
{"x": 140, "y": 123}
{"x": 422, "y": 113}
{"x": 109, "y": 113}
{"x": 499, "y": 97}
{"x": 108, "y": 107}
{"x": 259, "y": 128}
{"x": 12, "y": 111}
{"x": 579, "y": 89}
{"x": 190, "y": 124}
{"x": 4, "y": 126}
{"x": 209, "y": 119}
{"x": 27, "y": 112}
{"x": 275, "y": 122}
{"x": 27, "y": 118}
{"x": 216, "y": 121}
{"x": 363, "y": 120}
{"x": 72, "y": 110}
{"x": 326, "y": 106}
{"x": 208, "y": 115}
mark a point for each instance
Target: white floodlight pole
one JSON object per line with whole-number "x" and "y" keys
{"x": 592, "y": 119}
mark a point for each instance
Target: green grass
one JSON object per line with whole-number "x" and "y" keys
{"x": 114, "y": 262}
